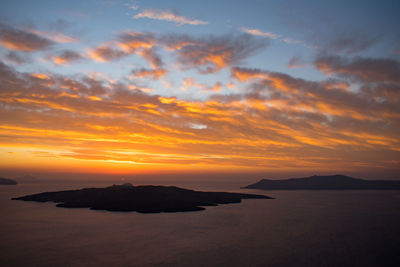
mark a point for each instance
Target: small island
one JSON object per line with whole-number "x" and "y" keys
{"x": 6, "y": 181}
{"x": 331, "y": 182}
{"x": 143, "y": 199}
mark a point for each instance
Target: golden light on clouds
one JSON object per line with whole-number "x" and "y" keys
{"x": 165, "y": 114}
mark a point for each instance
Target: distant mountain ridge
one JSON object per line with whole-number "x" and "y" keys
{"x": 330, "y": 182}
{"x": 6, "y": 181}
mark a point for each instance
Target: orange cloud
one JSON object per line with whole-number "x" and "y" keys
{"x": 244, "y": 74}
{"x": 191, "y": 82}
{"x": 277, "y": 122}
{"x": 40, "y": 76}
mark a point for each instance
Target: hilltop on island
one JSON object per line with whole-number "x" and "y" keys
{"x": 332, "y": 182}
{"x": 6, "y": 181}
{"x": 144, "y": 199}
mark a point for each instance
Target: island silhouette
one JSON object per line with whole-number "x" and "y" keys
{"x": 330, "y": 182}
{"x": 143, "y": 199}
{"x": 6, "y": 181}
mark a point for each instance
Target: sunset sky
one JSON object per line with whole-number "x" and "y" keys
{"x": 125, "y": 87}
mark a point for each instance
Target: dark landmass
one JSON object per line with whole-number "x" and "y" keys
{"x": 27, "y": 179}
{"x": 144, "y": 199}
{"x": 332, "y": 182}
{"x": 5, "y": 181}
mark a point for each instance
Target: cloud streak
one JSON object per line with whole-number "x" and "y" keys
{"x": 258, "y": 32}
{"x": 168, "y": 16}
{"x": 20, "y": 40}
{"x": 271, "y": 35}
{"x": 55, "y": 36}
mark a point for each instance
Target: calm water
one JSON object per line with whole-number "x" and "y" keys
{"x": 298, "y": 228}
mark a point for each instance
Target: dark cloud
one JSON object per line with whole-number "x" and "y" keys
{"x": 131, "y": 41}
{"x": 378, "y": 101}
{"x": 128, "y": 43}
{"x": 16, "y": 58}
{"x": 153, "y": 73}
{"x": 152, "y": 57}
{"x": 384, "y": 93}
{"x": 106, "y": 53}
{"x": 361, "y": 69}
{"x": 348, "y": 43}
{"x": 210, "y": 54}
{"x": 296, "y": 62}
{"x": 65, "y": 57}
{"x": 60, "y": 25}
{"x": 20, "y": 40}
{"x": 322, "y": 28}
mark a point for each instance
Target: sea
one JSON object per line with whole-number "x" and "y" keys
{"x": 297, "y": 228}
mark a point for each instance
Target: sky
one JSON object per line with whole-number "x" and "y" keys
{"x": 133, "y": 87}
